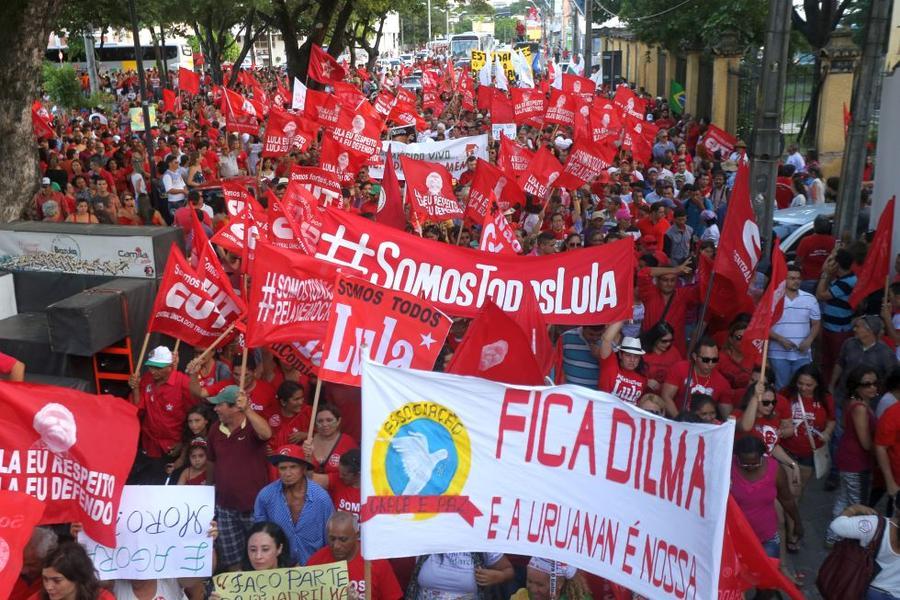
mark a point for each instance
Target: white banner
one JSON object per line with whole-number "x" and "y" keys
{"x": 118, "y": 256}
{"x": 507, "y": 129}
{"x": 451, "y": 154}
{"x": 161, "y": 533}
{"x": 461, "y": 464}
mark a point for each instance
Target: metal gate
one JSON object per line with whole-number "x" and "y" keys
{"x": 797, "y": 92}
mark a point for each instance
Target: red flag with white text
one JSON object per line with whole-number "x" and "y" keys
{"x": 322, "y": 108}
{"x": 20, "y": 514}
{"x": 527, "y": 104}
{"x": 768, "y": 310}
{"x": 429, "y": 190}
{"x": 399, "y": 330}
{"x": 497, "y": 237}
{"x": 717, "y": 139}
{"x": 488, "y": 181}
{"x": 739, "y": 247}
{"x": 586, "y": 161}
{"x": 513, "y": 158}
{"x": 323, "y": 67}
{"x": 357, "y": 132}
{"x": 561, "y": 108}
{"x": 338, "y": 161}
{"x": 286, "y": 131}
{"x": 542, "y": 173}
{"x": 41, "y": 121}
{"x": 57, "y": 446}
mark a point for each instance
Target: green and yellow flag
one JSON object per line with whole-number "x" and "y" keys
{"x": 676, "y": 97}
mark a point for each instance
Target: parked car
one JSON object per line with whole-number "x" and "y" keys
{"x": 793, "y": 224}
{"x": 413, "y": 84}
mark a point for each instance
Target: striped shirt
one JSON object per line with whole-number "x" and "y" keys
{"x": 794, "y": 325}
{"x": 579, "y": 364}
{"x": 308, "y": 534}
{"x": 837, "y": 315}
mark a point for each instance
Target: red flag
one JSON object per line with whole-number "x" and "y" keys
{"x": 21, "y": 513}
{"x": 406, "y": 113}
{"x": 724, "y": 302}
{"x": 847, "y": 118}
{"x": 304, "y": 214}
{"x": 629, "y": 103}
{"x": 495, "y": 347}
{"x": 290, "y": 296}
{"x": 716, "y": 139}
{"x": 183, "y": 308}
{"x": 605, "y": 122}
{"x": 169, "y": 100}
{"x": 497, "y": 237}
{"x": 237, "y": 197}
{"x": 285, "y": 131}
{"x": 283, "y": 229}
{"x": 489, "y": 180}
{"x": 215, "y": 282}
{"x": 238, "y": 105}
{"x": 527, "y": 104}
{"x": 325, "y": 186}
{"x": 384, "y": 102}
{"x": 483, "y": 96}
{"x": 322, "y": 108}
{"x": 256, "y": 226}
{"x": 429, "y": 190}
{"x": 561, "y": 108}
{"x": 240, "y": 114}
{"x": 400, "y": 330}
{"x": 532, "y": 322}
{"x": 739, "y": 245}
{"x": 74, "y": 452}
{"x": 542, "y": 173}
{"x": 358, "y": 133}
{"x": 390, "y": 203}
{"x": 514, "y": 159}
{"x": 586, "y": 161}
{"x": 341, "y": 163}
{"x": 348, "y": 94}
{"x": 467, "y": 90}
{"x": 768, "y": 310}
{"x": 283, "y": 97}
{"x": 323, "y": 67}
{"x": 188, "y": 81}
{"x": 576, "y": 84}
{"x": 877, "y": 266}
{"x": 41, "y": 121}
{"x": 744, "y": 562}
{"x": 501, "y": 108}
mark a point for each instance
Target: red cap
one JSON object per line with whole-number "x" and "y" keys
{"x": 289, "y": 452}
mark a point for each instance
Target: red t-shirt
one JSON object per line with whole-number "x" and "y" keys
{"x": 345, "y": 497}
{"x": 714, "y": 384}
{"x": 261, "y": 397}
{"x": 887, "y": 434}
{"x": 330, "y": 464}
{"x": 7, "y": 363}
{"x": 384, "y": 582}
{"x": 284, "y": 427}
{"x": 737, "y": 374}
{"x": 656, "y": 366}
{"x": 655, "y": 306}
{"x": 655, "y": 230}
{"x": 812, "y": 252}
{"x": 625, "y": 385}
{"x": 817, "y": 414}
{"x": 102, "y": 595}
{"x": 767, "y": 429}
{"x": 163, "y": 409}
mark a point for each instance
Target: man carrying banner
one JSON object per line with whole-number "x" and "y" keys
{"x": 343, "y": 544}
{"x": 163, "y": 397}
{"x": 299, "y": 505}
{"x": 237, "y": 448}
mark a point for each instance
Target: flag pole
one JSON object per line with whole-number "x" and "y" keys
{"x": 315, "y": 409}
{"x": 215, "y": 343}
{"x": 177, "y": 346}
{"x": 137, "y": 368}
{"x": 765, "y": 354}
{"x": 367, "y": 577}
{"x": 243, "y": 380}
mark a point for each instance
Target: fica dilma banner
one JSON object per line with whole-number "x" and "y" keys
{"x": 462, "y": 464}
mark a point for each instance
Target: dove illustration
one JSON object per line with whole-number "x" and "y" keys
{"x": 418, "y": 462}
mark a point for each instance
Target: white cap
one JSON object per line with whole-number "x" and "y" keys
{"x": 631, "y": 346}
{"x": 45, "y": 181}
{"x": 562, "y": 143}
{"x": 160, "y": 357}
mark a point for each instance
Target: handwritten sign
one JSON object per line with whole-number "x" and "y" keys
{"x": 321, "y": 582}
{"x": 161, "y": 533}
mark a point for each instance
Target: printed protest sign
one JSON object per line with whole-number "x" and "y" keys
{"x": 321, "y": 582}
{"x": 462, "y": 464}
{"x": 161, "y": 532}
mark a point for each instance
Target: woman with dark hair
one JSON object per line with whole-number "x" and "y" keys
{"x": 69, "y": 574}
{"x": 573, "y": 242}
{"x": 148, "y": 214}
{"x": 704, "y": 408}
{"x": 731, "y": 358}
{"x": 343, "y": 486}
{"x": 762, "y": 415}
{"x": 267, "y": 548}
{"x": 290, "y": 421}
{"x": 854, "y": 455}
{"x": 661, "y": 354}
{"x": 324, "y": 450}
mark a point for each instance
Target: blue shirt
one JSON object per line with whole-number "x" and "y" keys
{"x": 579, "y": 364}
{"x": 308, "y": 534}
{"x": 693, "y": 215}
{"x": 837, "y": 315}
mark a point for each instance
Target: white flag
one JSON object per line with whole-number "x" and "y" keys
{"x": 523, "y": 70}
{"x": 500, "y": 76}
{"x": 557, "y": 76}
{"x": 298, "y": 102}
{"x": 484, "y": 75}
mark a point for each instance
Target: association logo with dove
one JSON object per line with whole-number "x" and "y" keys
{"x": 422, "y": 449}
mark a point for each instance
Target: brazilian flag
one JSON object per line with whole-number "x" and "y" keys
{"x": 676, "y": 97}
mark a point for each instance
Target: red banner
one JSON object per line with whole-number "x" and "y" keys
{"x": 324, "y": 186}
{"x": 527, "y": 104}
{"x": 561, "y": 108}
{"x": 19, "y": 513}
{"x": 322, "y": 108}
{"x": 542, "y": 173}
{"x": 399, "y": 329}
{"x": 429, "y": 190}
{"x": 357, "y": 133}
{"x": 401, "y": 505}
{"x": 290, "y": 295}
{"x": 716, "y": 139}
{"x": 593, "y": 285}
{"x": 183, "y": 308}
{"x": 286, "y": 131}
{"x": 586, "y": 161}
{"x": 56, "y": 446}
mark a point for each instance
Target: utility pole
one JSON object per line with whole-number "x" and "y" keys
{"x": 588, "y": 36}
{"x": 766, "y": 144}
{"x": 847, "y": 209}
{"x": 428, "y": 37}
{"x": 90, "y": 58}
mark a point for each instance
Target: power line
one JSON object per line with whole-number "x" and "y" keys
{"x": 644, "y": 17}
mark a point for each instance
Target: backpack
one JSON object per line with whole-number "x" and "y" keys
{"x": 849, "y": 568}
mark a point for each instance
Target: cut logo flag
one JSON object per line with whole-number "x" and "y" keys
{"x": 739, "y": 248}
{"x": 457, "y": 464}
{"x": 323, "y": 67}
{"x": 20, "y": 513}
{"x": 56, "y": 447}
{"x": 877, "y": 265}
{"x": 429, "y": 190}
{"x": 718, "y": 140}
{"x": 290, "y": 296}
{"x": 768, "y": 311}
{"x": 387, "y": 326}
{"x": 497, "y": 236}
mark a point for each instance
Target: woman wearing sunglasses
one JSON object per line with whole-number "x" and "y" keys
{"x": 853, "y": 457}
{"x": 661, "y": 354}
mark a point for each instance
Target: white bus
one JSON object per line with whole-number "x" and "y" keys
{"x": 462, "y": 44}
{"x": 116, "y": 56}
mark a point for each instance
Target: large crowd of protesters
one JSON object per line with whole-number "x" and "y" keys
{"x": 832, "y": 377}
